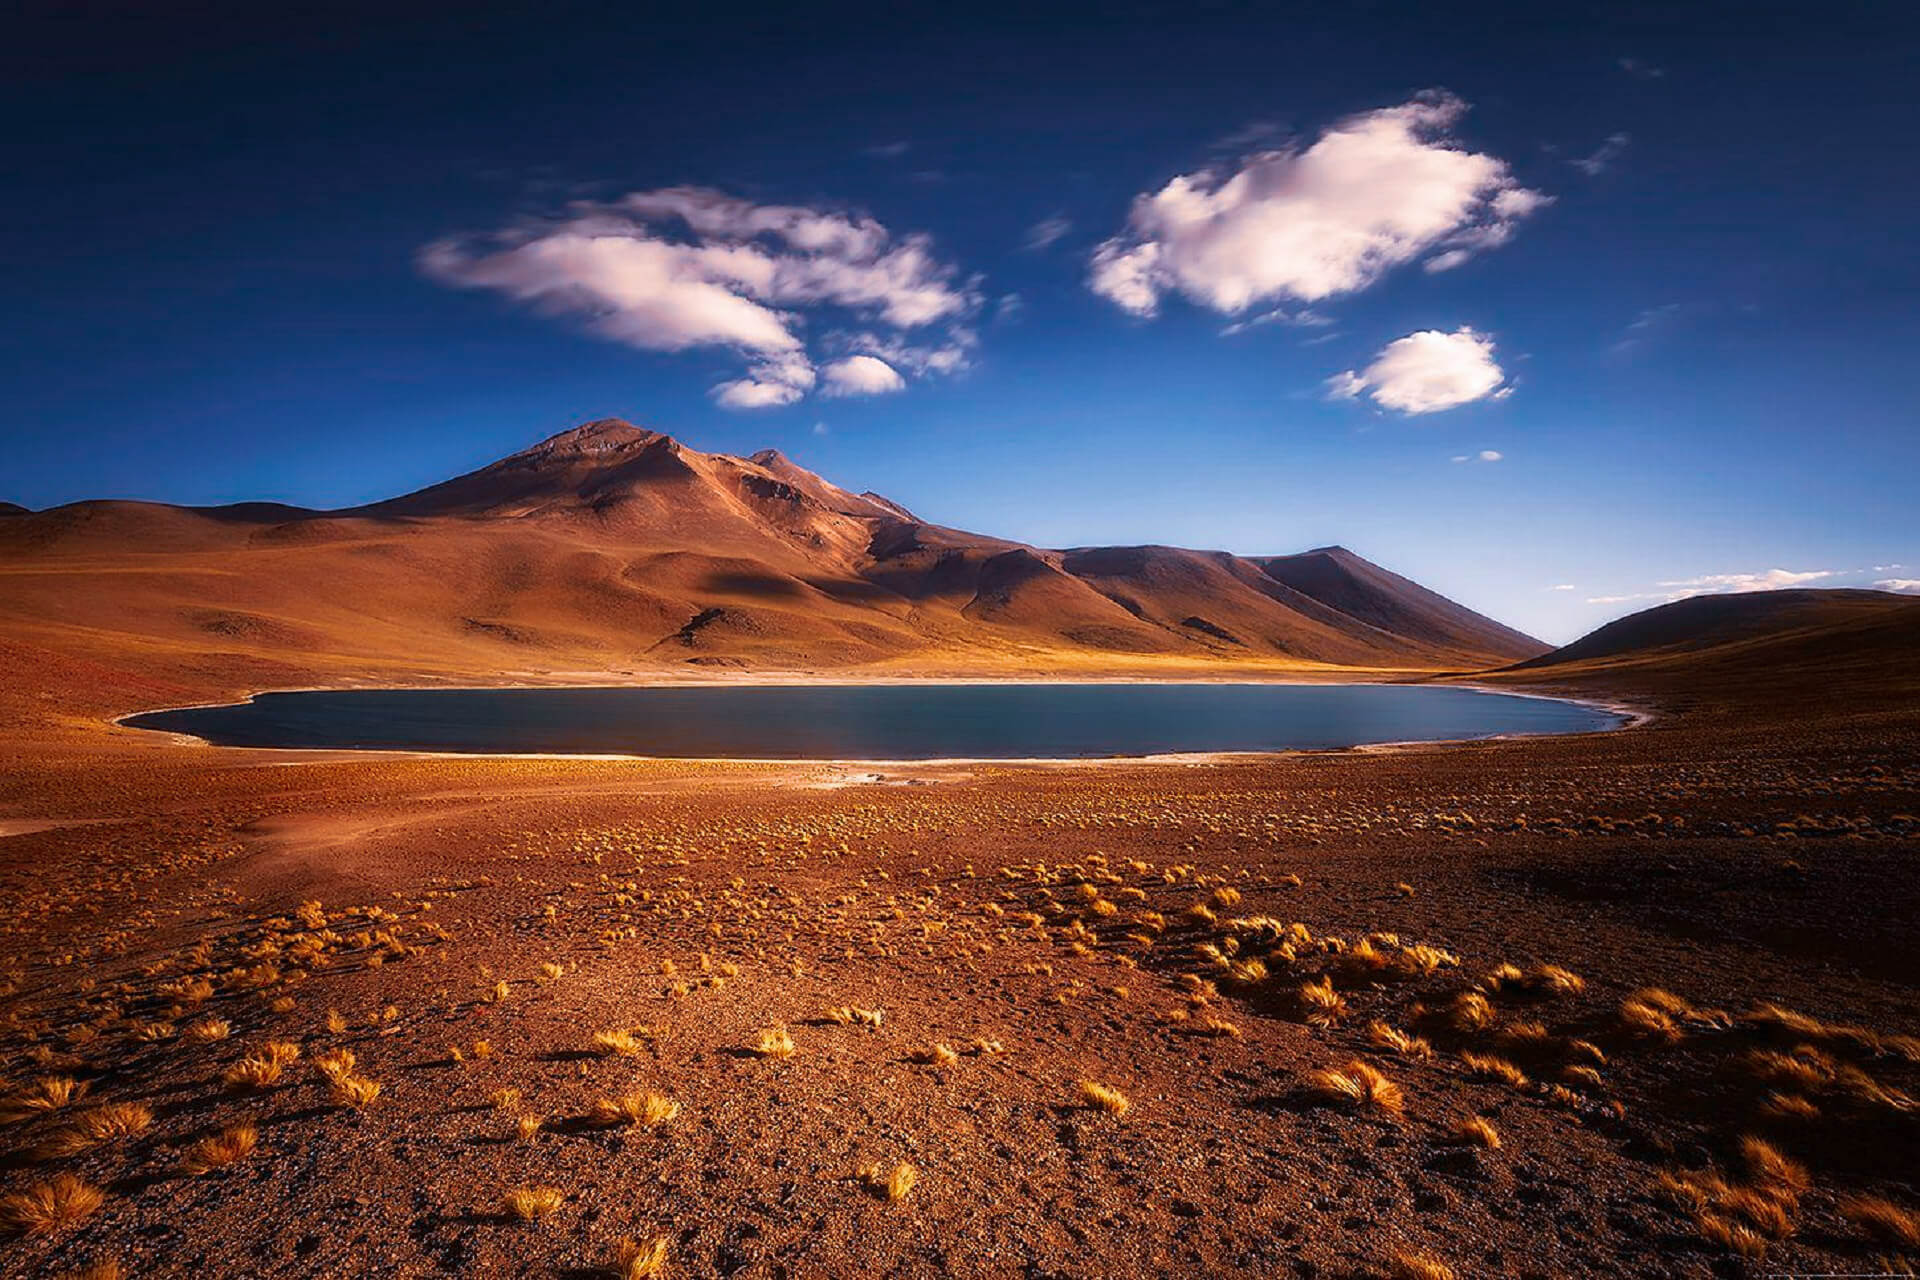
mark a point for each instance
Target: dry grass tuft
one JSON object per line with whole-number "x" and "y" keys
{"x": 1356, "y": 1085}
{"x": 1103, "y": 1097}
{"x": 647, "y": 1109}
{"x": 1883, "y": 1219}
{"x": 849, "y": 1015}
{"x": 49, "y": 1093}
{"x": 230, "y": 1146}
{"x": 528, "y": 1127}
{"x": 530, "y": 1204}
{"x": 1475, "y": 1131}
{"x": 353, "y": 1091}
{"x": 773, "y": 1042}
{"x": 892, "y": 1185}
{"x": 1487, "y": 1066}
{"x": 938, "y": 1055}
{"x": 108, "y": 1122}
{"x": 617, "y": 1042}
{"x": 1420, "y": 1266}
{"x": 1320, "y": 1005}
{"x": 1768, "y": 1166}
{"x": 1381, "y": 1035}
{"x": 635, "y": 1261}
{"x": 51, "y": 1206}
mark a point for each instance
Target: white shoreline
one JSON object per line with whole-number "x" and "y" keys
{"x": 1632, "y": 718}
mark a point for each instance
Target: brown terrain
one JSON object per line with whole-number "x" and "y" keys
{"x": 1639, "y": 1003}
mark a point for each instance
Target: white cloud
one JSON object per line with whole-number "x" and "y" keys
{"x": 1899, "y": 584}
{"x": 1765, "y": 580}
{"x": 1373, "y": 192}
{"x": 1426, "y": 372}
{"x": 1045, "y": 232}
{"x": 1602, "y": 157}
{"x": 862, "y": 376}
{"x": 1725, "y": 584}
{"x": 690, "y": 267}
{"x": 1561, "y": 586}
{"x": 1485, "y": 455}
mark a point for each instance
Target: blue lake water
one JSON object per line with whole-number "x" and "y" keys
{"x": 877, "y": 722}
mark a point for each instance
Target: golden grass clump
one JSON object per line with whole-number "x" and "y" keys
{"x": 355, "y": 1092}
{"x": 773, "y": 1042}
{"x": 647, "y": 1109}
{"x": 617, "y": 1042}
{"x": 1488, "y": 1066}
{"x": 504, "y": 1099}
{"x": 207, "y": 1030}
{"x": 530, "y": 1204}
{"x": 51, "y": 1206}
{"x": 1469, "y": 1013}
{"x": 107, "y": 1122}
{"x": 528, "y": 1127}
{"x": 938, "y": 1055}
{"x": 262, "y": 1067}
{"x": 633, "y": 1260}
{"x": 892, "y": 1185}
{"x": 1420, "y": 1266}
{"x": 49, "y": 1093}
{"x": 1356, "y": 1085}
{"x": 1320, "y": 1005}
{"x": 1882, "y": 1219}
{"x": 1103, "y": 1097}
{"x": 1382, "y": 1035}
{"x": 230, "y": 1146}
{"x": 1475, "y": 1131}
{"x": 108, "y": 1270}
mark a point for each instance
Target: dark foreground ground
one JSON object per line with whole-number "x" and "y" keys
{"x": 1206, "y": 939}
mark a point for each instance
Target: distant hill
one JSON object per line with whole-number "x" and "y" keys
{"x": 1782, "y": 647}
{"x": 614, "y": 547}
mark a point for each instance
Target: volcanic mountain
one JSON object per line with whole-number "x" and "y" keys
{"x": 610, "y": 548}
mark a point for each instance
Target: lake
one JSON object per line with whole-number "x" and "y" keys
{"x": 877, "y": 722}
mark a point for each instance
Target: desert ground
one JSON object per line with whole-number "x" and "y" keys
{"x": 1635, "y": 1003}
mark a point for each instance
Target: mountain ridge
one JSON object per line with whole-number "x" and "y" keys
{"x": 610, "y": 543}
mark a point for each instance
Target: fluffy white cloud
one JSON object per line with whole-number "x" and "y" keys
{"x": 1899, "y": 584}
{"x": 1426, "y": 372}
{"x": 688, "y": 267}
{"x": 1373, "y": 192}
{"x": 862, "y": 376}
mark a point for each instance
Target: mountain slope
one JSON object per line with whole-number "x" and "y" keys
{"x": 1796, "y": 652}
{"x": 1359, "y": 589}
{"x": 611, "y": 547}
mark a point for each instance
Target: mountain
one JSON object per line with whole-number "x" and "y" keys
{"x": 612, "y": 547}
{"x": 1791, "y": 649}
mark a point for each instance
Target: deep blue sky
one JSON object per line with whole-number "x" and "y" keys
{"x": 213, "y": 219}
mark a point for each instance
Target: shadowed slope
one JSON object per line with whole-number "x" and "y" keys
{"x": 1341, "y": 580}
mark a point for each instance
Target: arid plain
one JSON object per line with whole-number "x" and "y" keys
{"x": 1639, "y": 1003}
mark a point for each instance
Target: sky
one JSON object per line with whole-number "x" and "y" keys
{"x": 1562, "y": 310}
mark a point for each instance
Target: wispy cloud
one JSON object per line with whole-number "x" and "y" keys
{"x": 1602, "y": 157}
{"x": 1045, "y": 233}
{"x": 1640, "y": 69}
{"x": 690, "y": 267}
{"x": 1726, "y": 584}
{"x": 1485, "y": 455}
{"x": 1426, "y": 372}
{"x": 1374, "y": 192}
{"x": 1563, "y": 586}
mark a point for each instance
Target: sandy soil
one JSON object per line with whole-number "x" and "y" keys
{"x": 1047, "y": 924}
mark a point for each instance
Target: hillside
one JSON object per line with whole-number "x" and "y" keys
{"x": 614, "y": 549}
{"x": 1795, "y": 651}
